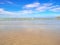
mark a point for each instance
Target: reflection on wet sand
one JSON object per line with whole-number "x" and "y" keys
{"x": 28, "y": 36}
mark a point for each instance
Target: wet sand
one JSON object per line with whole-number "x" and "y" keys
{"x": 29, "y": 35}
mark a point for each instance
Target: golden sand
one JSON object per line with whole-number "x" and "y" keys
{"x": 26, "y": 37}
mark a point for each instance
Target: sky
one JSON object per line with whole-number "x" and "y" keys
{"x": 29, "y": 8}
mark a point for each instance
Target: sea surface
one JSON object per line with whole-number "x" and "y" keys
{"x": 52, "y": 25}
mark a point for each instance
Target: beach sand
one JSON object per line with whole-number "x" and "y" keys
{"x": 29, "y": 36}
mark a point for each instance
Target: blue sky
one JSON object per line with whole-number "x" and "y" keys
{"x": 29, "y": 8}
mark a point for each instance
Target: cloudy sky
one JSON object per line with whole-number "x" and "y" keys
{"x": 29, "y": 8}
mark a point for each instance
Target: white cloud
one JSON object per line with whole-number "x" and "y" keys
{"x": 33, "y": 5}
{"x": 23, "y": 12}
{"x": 43, "y": 7}
{"x": 9, "y": 2}
{"x": 27, "y": 12}
{"x": 3, "y": 12}
{"x": 38, "y": 7}
{"x": 1, "y": 9}
{"x": 47, "y": 4}
{"x": 55, "y": 8}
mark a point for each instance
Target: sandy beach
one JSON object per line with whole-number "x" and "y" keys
{"x": 28, "y": 35}
{"x": 29, "y": 38}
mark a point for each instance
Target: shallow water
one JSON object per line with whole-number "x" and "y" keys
{"x": 33, "y": 32}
